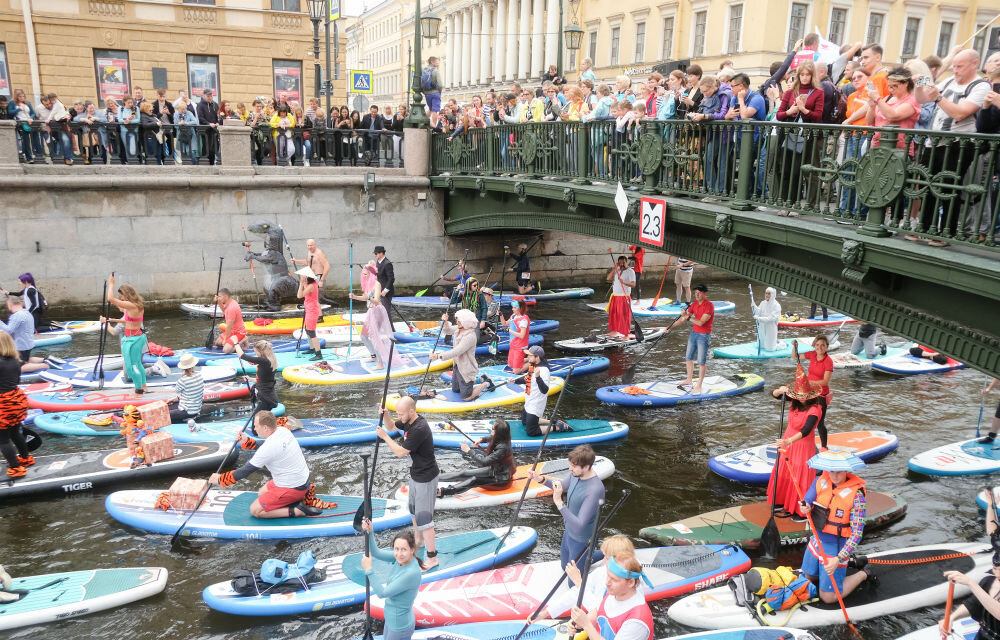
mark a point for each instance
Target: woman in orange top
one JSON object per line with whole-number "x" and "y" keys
{"x": 854, "y": 144}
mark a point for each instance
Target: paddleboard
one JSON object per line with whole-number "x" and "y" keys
{"x": 491, "y": 497}
{"x": 442, "y": 302}
{"x": 281, "y": 345}
{"x": 749, "y": 633}
{"x": 319, "y": 432}
{"x": 77, "y": 326}
{"x": 557, "y": 367}
{"x": 32, "y": 414}
{"x": 86, "y": 379}
{"x": 755, "y": 464}
{"x": 584, "y": 432}
{"x": 71, "y": 423}
{"x": 430, "y": 334}
{"x": 902, "y": 587}
{"x": 51, "y": 339}
{"x": 743, "y": 524}
{"x": 606, "y": 342}
{"x": 749, "y": 350}
{"x": 362, "y": 370}
{"x": 285, "y": 326}
{"x": 665, "y": 307}
{"x": 861, "y": 361}
{"x": 94, "y": 399}
{"x": 458, "y": 554}
{"x": 79, "y": 472}
{"x": 908, "y": 365}
{"x": 958, "y": 459}
{"x": 505, "y": 630}
{"x": 249, "y": 310}
{"x": 57, "y": 596}
{"x": 330, "y": 354}
{"x": 226, "y": 514}
{"x": 668, "y": 393}
{"x": 802, "y": 323}
{"x": 961, "y": 629}
{"x": 447, "y": 401}
{"x": 981, "y": 498}
{"x": 514, "y": 592}
{"x": 72, "y": 365}
{"x": 344, "y": 333}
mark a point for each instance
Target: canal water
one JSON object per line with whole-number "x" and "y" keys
{"x": 663, "y": 460}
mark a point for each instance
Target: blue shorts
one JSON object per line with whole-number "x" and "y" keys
{"x": 698, "y": 346}
{"x": 811, "y": 564}
{"x": 433, "y": 101}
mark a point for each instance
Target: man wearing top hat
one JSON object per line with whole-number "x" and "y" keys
{"x": 385, "y": 277}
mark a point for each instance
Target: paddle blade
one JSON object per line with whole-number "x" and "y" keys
{"x": 420, "y": 293}
{"x": 770, "y": 539}
{"x": 31, "y": 438}
{"x": 629, "y": 376}
{"x": 359, "y": 515}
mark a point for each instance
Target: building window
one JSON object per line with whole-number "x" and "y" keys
{"x": 592, "y": 48}
{"x": 910, "y": 37}
{"x": 838, "y": 25}
{"x": 640, "y": 42}
{"x": 284, "y": 5}
{"x": 287, "y": 80}
{"x": 700, "y": 23}
{"x": 944, "y": 38}
{"x": 112, "y": 74}
{"x": 668, "y": 39}
{"x": 735, "y": 28}
{"x": 616, "y": 36}
{"x": 979, "y": 42}
{"x": 4, "y": 72}
{"x": 203, "y": 73}
{"x": 875, "y": 22}
{"x": 797, "y": 24}
{"x": 572, "y": 59}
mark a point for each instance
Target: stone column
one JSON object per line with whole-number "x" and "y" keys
{"x": 477, "y": 19}
{"x": 466, "y": 53}
{"x": 511, "y": 62}
{"x": 449, "y": 70}
{"x": 484, "y": 47}
{"x": 551, "y": 29}
{"x": 234, "y": 143}
{"x": 418, "y": 150}
{"x": 8, "y": 145}
{"x": 524, "y": 41}
{"x": 537, "y": 38}
{"x": 499, "y": 41}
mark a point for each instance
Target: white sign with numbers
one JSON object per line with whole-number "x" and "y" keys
{"x": 652, "y": 219}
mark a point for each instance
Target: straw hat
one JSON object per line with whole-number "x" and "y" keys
{"x": 187, "y": 361}
{"x": 307, "y": 272}
{"x": 802, "y": 390}
{"x": 836, "y": 461}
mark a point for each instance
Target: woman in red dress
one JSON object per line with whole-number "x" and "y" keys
{"x": 797, "y": 444}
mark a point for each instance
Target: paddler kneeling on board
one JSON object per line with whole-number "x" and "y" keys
{"x": 623, "y": 613}
{"x": 837, "y": 503}
{"x": 463, "y": 353}
{"x": 286, "y": 493}
{"x": 983, "y": 605}
{"x": 494, "y": 467}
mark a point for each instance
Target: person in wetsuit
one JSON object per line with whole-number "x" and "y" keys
{"x": 494, "y": 467}
{"x": 983, "y": 605}
{"x": 522, "y": 270}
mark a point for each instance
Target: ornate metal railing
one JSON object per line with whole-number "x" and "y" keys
{"x": 330, "y": 147}
{"x": 932, "y": 185}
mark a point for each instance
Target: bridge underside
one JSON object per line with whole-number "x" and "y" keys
{"x": 947, "y": 299}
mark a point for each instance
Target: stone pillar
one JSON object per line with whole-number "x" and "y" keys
{"x": 449, "y": 70}
{"x": 234, "y": 143}
{"x": 499, "y": 41}
{"x": 484, "y": 47}
{"x": 8, "y": 144}
{"x": 510, "y": 65}
{"x": 466, "y": 53}
{"x": 477, "y": 11}
{"x": 537, "y": 38}
{"x": 524, "y": 41}
{"x": 418, "y": 151}
{"x": 551, "y": 29}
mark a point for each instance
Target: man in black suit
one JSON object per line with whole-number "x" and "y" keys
{"x": 208, "y": 113}
{"x": 385, "y": 277}
{"x": 372, "y": 122}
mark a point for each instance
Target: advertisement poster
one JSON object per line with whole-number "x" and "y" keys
{"x": 288, "y": 80}
{"x": 4, "y": 72}
{"x": 112, "y": 74}
{"x": 203, "y": 73}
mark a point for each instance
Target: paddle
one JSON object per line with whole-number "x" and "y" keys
{"x": 350, "y": 296}
{"x": 246, "y": 244}
{"x": 947, "y": 611}
{"x": 455, "y": 427}
{"x": 409, "y": 325}
{"x": 770, "y": 539}
{"x": 104, "y": 338}
{"x": 437, "y": 340}
{"x": 421, "y": 293}
{"x": 982, "y": 402}
{"x": 819, "y": 547}
{"x": 366, "y": 506}
{"x": 538, "y": 457}
{"x": 302, "y": 329}
{"x": 104, "y": 331}
{"x": 662, "y": 280}
{"x": 210, "y": 340}
{"x": 31, "y": 438}
{"x": 832, "y": 340}
{"x": 629, "y": 374}
{"x": 588, "y": 561}
{"x": 756, "y": 325}
{"x": 636, "y": 329}
{"x": 604, "y": 523}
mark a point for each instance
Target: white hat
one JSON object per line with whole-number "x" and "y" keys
{"x": 307, "y": 272}
{"x": 187, "y": 361}
{"x": 466, "y": 318}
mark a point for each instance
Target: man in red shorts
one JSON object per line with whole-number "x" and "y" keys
{"x": 236, "y": 331}
{"x": 283, "y": 495}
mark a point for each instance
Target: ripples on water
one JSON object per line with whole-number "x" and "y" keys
{"x": 664, "y": 460}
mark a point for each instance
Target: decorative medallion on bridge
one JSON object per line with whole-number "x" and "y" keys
{"x": 569, "y": 197}
{"x": 527, "y": 147}
{"x": 650, "y": 152}
{"x": 852, "y": 254}
{"x": 520, "y": 192}
{"x": 881, "y": 175}
{"x": 457, "y": 149}
{"x": 450, "y": 185}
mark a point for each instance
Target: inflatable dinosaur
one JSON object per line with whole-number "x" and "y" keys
{"x": 278, "y": 283}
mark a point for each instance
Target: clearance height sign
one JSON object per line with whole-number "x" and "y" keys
{"x": 652, "y": 220}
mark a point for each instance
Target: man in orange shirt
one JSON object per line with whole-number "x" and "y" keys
{"x": 871, "y": 62}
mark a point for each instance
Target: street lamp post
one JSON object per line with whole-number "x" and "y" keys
{"x": 426, "y": 26}
{"x": 329, "y": 69}
{"x": 573, "y": 34}
{"x": 316, "y": 10}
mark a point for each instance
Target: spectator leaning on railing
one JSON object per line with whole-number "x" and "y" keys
{"x": 803, "y": 102}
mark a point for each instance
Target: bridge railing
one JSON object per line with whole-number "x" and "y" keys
{"x": 933, "y": 185}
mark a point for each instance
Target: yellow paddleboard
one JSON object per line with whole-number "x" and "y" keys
{"x": 281, "y": 326}
{"x": 447, "y": 401}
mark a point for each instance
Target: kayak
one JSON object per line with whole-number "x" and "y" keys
{"x": 447, "y": 401}
{"x": 77, "y": 326}
{"x": 72, "y": 365}
{"x": 494, "y": 496}
{"x": 908, "y": 365}
{"x": 430, "y": 334}
{"x": 52, "y": 338}
{"x": 750, "y": 350}
{"x": 87, "y": 379}
{"x": 584, "y": 432}
{"x": 743, "y": 524}
{"x": 755, "y": 464}
{"x": 665, "y": 307}
{"x": 910, "y": 579}
{"x": 249, "y": 310}
{"x": 961, "y": 629}
{"x": 557, "y": 367}
{"x": 78, "y": 472}
{"x": 861, "y": 361}
{"x": 284, "y": 326}
{"x": 443, "y": 302}
{"x": 57, "y": 596}
{"x": 514, "y": 592}
{"x": 215, "y": 353}
{"x": 602, "y": 342}
{"x": 344, "y": 585}
{"x": 803, "y": 323}
{"x": 71, "y": 423}
{"x": 669, "y": 393}
{"x": 226, "y": 514}
{"x": 344, "y": 333}
{"x": 351, "y": 371}
{"x": 958, "y": 459}
{"x": 318, "y": 432}
{"x": 94, "y": 399}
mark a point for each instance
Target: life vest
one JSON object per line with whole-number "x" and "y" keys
{"x": 609, "y": 626}
{"x": 832, "y": 506}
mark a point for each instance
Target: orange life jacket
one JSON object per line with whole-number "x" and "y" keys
{"x": 836, "y": 502}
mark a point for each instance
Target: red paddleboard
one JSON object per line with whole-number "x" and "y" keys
{"x": 87, "y": 400}
{"x": 45, "y": 386}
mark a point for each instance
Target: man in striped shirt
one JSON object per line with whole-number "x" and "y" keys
{"x": 190, "y": 390}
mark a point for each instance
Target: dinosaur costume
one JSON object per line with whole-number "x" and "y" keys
{"x": 278, "y": 283}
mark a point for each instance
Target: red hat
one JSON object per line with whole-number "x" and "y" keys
{"x": 802, "y": 389}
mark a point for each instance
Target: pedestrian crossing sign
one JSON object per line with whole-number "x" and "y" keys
{"x": 361, "y": 82}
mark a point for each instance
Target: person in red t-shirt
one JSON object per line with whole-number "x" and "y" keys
{"x": 638, "y": 257}
{"x": 519, "y": 326}
{"x": 236, "y": 331}
{"x": 701, "y": 312}
{"x": 820, "y": 371}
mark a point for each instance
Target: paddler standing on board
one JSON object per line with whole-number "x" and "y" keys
{"x": 622, "y": 280}
{"x": 701, "y": 313}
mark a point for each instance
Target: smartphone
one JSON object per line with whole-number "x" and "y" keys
{"x": 996, "y": 87}
{"x": 923, "y": 81}
{"x": 871, "y": 85}
{"x": 691, "y": 114}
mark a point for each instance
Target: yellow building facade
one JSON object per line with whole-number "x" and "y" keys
{"x": 93, "y": 49}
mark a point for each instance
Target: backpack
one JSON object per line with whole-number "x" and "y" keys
{"x": 43, "y": 304}
{"x": 839, "y": 113}
{"x": 278, "y": 576}
{"x": 780, "y": 598}
{"x": 427, "y": 80}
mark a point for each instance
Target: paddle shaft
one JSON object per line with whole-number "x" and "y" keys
{"x": 381, "y": 419}
{"x": 302, "y": 329}
{"x": 982, "y": 403}
{"x": 455, "y": 427}
{"x": 366, "y": 505}
{"x": 662, "y": 280}
{"x": 629, "y": 374}
{"x": 503, "y": 274}
{"x": 771, "y": 528}
{"x": 437, "y": 340}
{"x": 423, "y": 291}
{"x": 350, "y": 296}
{"x": 756, "y": 326}
{"x": 532, "y": 245}
{"x": 246, "y": 244}
{"x": 947, "y": 611}
{"x": 590, "y": 556}
{"x": 215, "y": 310}
{"x": 98, "y": 364}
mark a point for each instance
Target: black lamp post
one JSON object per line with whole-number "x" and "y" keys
{"x": 573, "y": 35}
{"x": 316, "y": 10}
{"x": 426, "y": 26}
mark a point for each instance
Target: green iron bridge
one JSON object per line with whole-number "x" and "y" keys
{"x": 862, "y": 206}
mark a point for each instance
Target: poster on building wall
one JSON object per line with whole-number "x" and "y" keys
{"x": 203, "y": 74}
{"x": 4, "y": 72}
{"x": 112, "y": 74}
{"x": 288, "y": 80}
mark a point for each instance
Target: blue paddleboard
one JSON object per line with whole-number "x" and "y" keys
{"x": 584, "y": 432}
{"x": 557, "y": 367}
{"x": 313, "y": 432}
{"x": 429, "y": 335}
{"x": 215, "y": 353}
{"x": 668, "y": 393}
{"x": 70, "y": 423}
